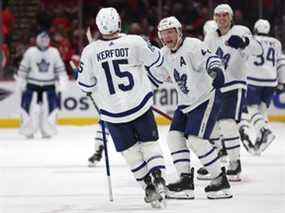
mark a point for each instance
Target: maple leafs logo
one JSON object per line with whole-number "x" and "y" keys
{"x": 181, "y": 81}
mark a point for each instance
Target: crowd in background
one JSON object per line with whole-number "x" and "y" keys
{"x": 61, "y": 19}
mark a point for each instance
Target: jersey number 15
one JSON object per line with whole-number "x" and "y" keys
{"x": 119, "y": 73}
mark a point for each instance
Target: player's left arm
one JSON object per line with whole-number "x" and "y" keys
{"x": 204, "y": 59}
{"x": 244, "y": 40}
{"x": 153, "y": 60}
{"x": 85, "y": 77}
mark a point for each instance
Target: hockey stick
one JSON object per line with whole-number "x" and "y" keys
{"x": 163, "y": 114}
{"x": 102, "y": 124}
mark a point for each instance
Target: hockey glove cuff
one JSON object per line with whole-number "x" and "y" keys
{"x": 238, "y": 42}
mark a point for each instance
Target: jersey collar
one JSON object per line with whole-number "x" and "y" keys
{"x": 219, "y": 32}
{"x": 174, "y": 51}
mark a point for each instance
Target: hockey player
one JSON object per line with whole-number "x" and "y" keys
{"x": 112, "y": 69}
{"x": 195, "y": 72}
{"x": 233, "y": 44}
{"x": 41, "y": 74}
{"x": 262, "y": 79}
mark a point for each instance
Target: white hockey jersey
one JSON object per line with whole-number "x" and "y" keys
{"x": 114, "y": 70}
{"x": 262, "y": 69}
{"x": 281, "y": 69}
{"x": 42, "y": 67}
{"x": 233, "y": 59}
{"x": 187, "y": 67}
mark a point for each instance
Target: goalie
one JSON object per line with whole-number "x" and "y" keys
{"x": 40, "y": 76}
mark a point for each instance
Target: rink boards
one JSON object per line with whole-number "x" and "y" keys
{"x": 76, "y": 108}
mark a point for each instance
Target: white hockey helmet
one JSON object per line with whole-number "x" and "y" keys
{"x": 210, "y": 25}
{"x": 262, "y": 26}
{"x": 42, "y": 40}
{"x": 224, "y": 8}
{"x": 169, "y": 23}
{"x": 108, "y": 21}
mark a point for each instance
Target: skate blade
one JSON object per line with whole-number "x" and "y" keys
{"x": 156, "y": 204}
{"x": 222, "y": 194}
{"x": 92, "y": 164}
{"x": 183, "y": 195}
{"x": 204, "y": 177}
{"x": 264, "y": 146}
{"x": 234, "y": 178}
{"x": 157, "y": 201}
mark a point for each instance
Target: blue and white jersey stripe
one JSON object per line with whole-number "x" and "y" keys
{"x": 134, "y": 112}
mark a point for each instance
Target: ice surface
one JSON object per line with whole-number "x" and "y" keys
{"x": 51, "y": 176}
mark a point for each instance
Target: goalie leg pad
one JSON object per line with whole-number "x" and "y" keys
{"x": 29, "y": 113}
{"x": 48, "y": 114}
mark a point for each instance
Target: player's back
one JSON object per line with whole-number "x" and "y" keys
{"x": 123, "y": 91}
{"x": 262, "y": 69}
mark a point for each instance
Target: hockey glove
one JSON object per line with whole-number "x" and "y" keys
{"x": 21, "y": 83}
{"x": 280, "y": 88}
{"x": 218, "y": 77}
{"x": 238, "y": 42}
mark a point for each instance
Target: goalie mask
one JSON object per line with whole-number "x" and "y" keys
{"x": 42, "y": 40}
{"x": 262, "y": 26}
{"x": 108, "y": 21}
{"x": 167, "y": 24}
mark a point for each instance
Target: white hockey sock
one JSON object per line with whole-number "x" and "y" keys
{"x": 180, "y": 153}
{"x": 207, "y": 154}
{"x": 216, "y": 137}
{"x": 99, "y": 138}
{"x": 152, "y": 155}
{"x": 136, "y": 163}
{"x": 231, "y": 138}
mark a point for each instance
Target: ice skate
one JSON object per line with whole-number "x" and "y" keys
{"x": 247, "y": 143}
{"x": 182, "y": 189}
{"x": 155, "y": 191}
{"x": 234, "y": 170}
{"x": 96, "y": 157}
{"x": 219, "y": 188}
{"x": 266, "y": 139}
